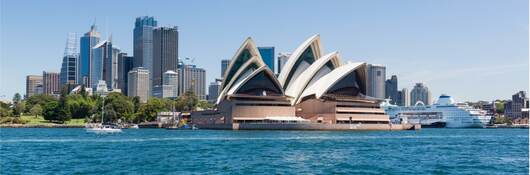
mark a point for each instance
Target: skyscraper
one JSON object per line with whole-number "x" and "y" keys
{"x": 143, "y": 44}
{"x": 404, "y": 97}
{"x": 213, "y": 90}
{"x": 68, "y": 73}
{"x": 391, "y": 90}
{"x": 50, "y": 82}
{"x": 420, "y": 92}
{"x": 88, "y": 41}
{"x": 519, "y": 102}
{"x": 69, "y": 70}
{"x": 282, "y": 59}
{"x": 138, "y": 83}
{"x": 104, "y": 65}
{"x": 376, "y": 81}
{"x": 32, "y": 82}
{"x": 224, "y": 65}
{"x": 125, "y": 64}
{"x": 192, "y": 79}
{"x": 165, "y": 53}
{"x": 170, "y": 84}
{"x": 267, "y": 54}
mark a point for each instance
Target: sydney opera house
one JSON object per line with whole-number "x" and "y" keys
{"x": 313, "y": 91}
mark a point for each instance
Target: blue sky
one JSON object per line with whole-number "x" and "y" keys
{"x": 470, "y": 49}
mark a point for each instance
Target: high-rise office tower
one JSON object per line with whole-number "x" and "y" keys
{"x": 88, "y": 41}
{"x": 32, "y": 82}
{"x": 138, "y": 83}
{"x": 519, "y": 102}
{"x": 404, "y": 97}
{"x": 143, "y": 44}
{"x": 267, "y": 54}
{"x": 165, "y": 52}
{"x": 104, "y": 65}
{"x": 282, "y": 59}
{"x": 170, "y": 84}
{"x": 125, "y": 64}
{"x": 50, "y": 82}
{"x": 192, "y": 79}
{"x": 420, "y": 92}
{"x": 68, "y": 74}
{"x": 391, "y": 90}
{"x": 213, "y": 91}
{"x": 224, "y": 66}
{"x": 376, "y": 81}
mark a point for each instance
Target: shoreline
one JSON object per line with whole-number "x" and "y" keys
{"x": 40, "y": 126}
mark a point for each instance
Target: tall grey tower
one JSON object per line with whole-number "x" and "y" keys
{"x": 391, "y": 89}
{"x": 143, "y": 44}
{"x": 143, "y": 41}
{"x": 84, "y": 65}
{"x": 224, "y": 65}
{"x": 165, "y": 52}
{"x": 376, "y": 81}
{"x": 420, "y": 92}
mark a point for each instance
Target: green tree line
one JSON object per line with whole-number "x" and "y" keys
{"x": 118, "y": 107}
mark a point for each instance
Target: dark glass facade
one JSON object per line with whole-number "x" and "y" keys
{"x": 306, "y": 57}
{"x": 68, "y": 70}
{"x": 260, "y": 85}
{"x": 87, "y": 41}
{"x": 240, "y": 60}
{"x": 267, "y": 54}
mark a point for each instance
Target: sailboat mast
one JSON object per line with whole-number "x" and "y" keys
{"x": 102, "y": 110}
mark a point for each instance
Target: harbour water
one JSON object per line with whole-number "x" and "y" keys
{"x": 158, "y": 151}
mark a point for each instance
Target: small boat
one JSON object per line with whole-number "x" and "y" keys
{"x": 133, "y": 126}
{"x": 101, "y": 128}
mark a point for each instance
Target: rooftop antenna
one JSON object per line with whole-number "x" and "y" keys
{"x": 106, "y": 28}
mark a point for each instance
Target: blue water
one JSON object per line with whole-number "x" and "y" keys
{"x": 158, "y": 151}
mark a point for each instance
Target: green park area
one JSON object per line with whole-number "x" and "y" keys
{"x": 78, "y": 109}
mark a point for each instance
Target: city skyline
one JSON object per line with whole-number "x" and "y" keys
{"x": 414, "y": 47}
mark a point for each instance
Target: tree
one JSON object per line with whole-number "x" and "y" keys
{"x": 79, "y": 106}
{"x": 16, "y": 105}
{"x": 40, "y": 99}
{"x": 17, "y": 98}
{"x": 190, "y": 101}
{"x": 149, "y": 110}
{"x": 499, "y": 107}
{"x": 203, "y": 104}
{"x": 118, "y": 106}
{"x": 18, "y": 108}
{"x": 5, "y": 110}
{"x": 53, "y": 111}
{"x": 36, "y": 110}
{"x": 136, "y": 102}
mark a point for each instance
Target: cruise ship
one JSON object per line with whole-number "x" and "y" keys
{"x": 444, "y": 113}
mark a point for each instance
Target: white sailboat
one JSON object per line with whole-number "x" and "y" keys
{"x": 101, "y": 128}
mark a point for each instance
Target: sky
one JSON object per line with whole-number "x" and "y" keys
{"x": 469, "y": 49}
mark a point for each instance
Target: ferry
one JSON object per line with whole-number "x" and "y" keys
{"x": 444, "y": 113}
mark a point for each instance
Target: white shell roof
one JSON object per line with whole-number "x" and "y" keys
{"x": 256, "y": 59}
{"x": 320, "y": 87}
{"x": 288, "y": 67}
{"x": 302, "y": 81}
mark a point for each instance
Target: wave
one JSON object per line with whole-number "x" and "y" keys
{"x": 245, "y": 138}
